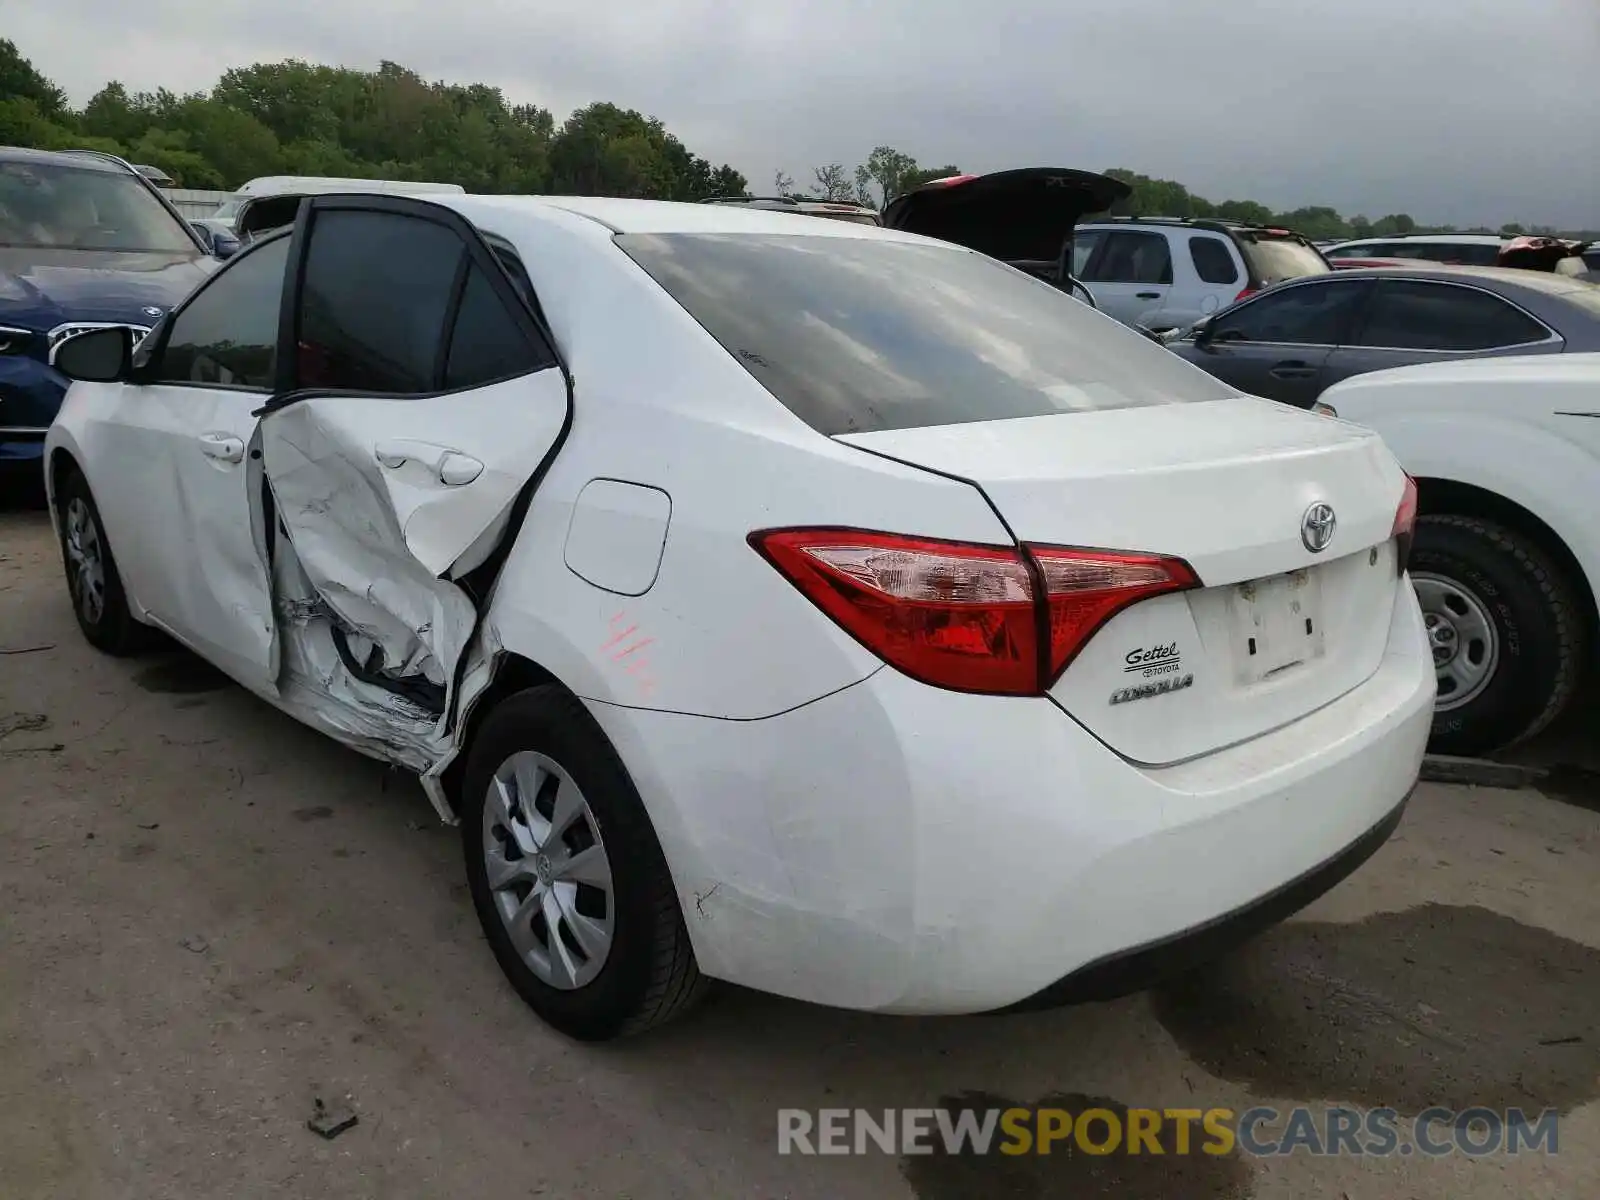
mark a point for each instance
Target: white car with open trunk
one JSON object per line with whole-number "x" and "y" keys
{"x": 799, "y": 603}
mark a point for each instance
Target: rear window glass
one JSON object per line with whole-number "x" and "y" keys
{"x": 1473, "y": 254}
{"x": 1274, "y": 259}
{"x": 1212, "y": 262}
{"x": 856, "y": 335}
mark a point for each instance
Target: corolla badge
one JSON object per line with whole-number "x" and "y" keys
{"x": 150, "y": 310}
{"x": 1317, "y": 526}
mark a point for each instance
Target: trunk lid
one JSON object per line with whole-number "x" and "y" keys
{"x": 1275, "y": 629}
{"x": 1026, "y": 215}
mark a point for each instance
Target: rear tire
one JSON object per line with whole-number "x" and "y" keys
{"x": 599, "y": 951}
{"x": 1507, "y": 632}
{"x": 93, "y": 582}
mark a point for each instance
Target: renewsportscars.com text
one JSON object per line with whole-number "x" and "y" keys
{"x": 1258, "y": 1132}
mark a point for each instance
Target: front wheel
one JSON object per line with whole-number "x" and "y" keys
{"x": 93, "y": 583}
{"x": 566, "y": 874}
{"x": 1505, "y": 628}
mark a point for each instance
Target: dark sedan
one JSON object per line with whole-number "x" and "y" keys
{"x": 1293, "y": 341}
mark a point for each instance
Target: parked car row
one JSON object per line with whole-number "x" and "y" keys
{"x": 612, "y": 519}
{"x": 1039, "y": 591}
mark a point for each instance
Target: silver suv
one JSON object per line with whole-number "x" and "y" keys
{"x": 1168, "y": 272}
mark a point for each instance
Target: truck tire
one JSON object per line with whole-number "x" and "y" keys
{"x": 1506, "y": 629}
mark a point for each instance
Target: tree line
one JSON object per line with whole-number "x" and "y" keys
{"x": 298, "y": 118}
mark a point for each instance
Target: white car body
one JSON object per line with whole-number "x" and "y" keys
{"x": 1512, "y": 439}
{"x": 321, "y": 185}
{"x": 836, "y": 830}
{"x": 1480, "y": 249}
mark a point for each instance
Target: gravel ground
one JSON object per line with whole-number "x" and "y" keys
{"x": 214, "y": 918}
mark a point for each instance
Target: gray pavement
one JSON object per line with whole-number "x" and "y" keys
{"x": 213, "y": 917}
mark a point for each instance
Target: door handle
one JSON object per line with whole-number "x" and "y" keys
{"x": 222, "y": 447}
{"x": 450, "y": 467}
{"x": 1147, "y": 295}
{"x": 1293, "y": 370}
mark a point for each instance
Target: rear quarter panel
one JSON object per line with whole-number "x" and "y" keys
{"x": 657, "y": 402}
{"x": 1509, "y": 427}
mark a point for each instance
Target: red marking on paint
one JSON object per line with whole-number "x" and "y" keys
{"x": 623, "y": 636}
{"x": 622, "y": 654}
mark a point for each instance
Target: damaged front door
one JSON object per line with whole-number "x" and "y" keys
{"x": 424, "y": 398}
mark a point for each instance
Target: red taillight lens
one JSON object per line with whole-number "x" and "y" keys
{"x": 1086, "y": 588}
{"x": 1405, "y": 523}
{"x": 1246, "y": 294}
{"x": 962, "y": 616}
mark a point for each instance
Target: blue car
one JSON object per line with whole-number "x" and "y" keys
{"x": 85, "y": 241}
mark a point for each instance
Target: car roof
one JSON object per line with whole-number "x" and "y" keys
{"x": 1443, "y": 239}
{"x": 83, "y": 160}
{"x": 620, "y": 215}
{"x": 1516, "y": 277}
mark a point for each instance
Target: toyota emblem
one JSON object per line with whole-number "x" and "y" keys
{"x": 1317, "y": 526}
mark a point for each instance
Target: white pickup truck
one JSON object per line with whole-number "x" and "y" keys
{"x": 1506, "y": 562}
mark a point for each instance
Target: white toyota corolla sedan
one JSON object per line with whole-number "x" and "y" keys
{"x": 798, "y": 603}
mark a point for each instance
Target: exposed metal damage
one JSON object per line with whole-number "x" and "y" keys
{"x": 369, "y": 640}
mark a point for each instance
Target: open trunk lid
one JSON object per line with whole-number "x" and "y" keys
{"x": 1025, "y": 215}
{"x": 1274, "y": 630}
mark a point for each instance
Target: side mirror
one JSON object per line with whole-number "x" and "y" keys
{"x": 204, "y": 234}
{"x": 96, "y": 355}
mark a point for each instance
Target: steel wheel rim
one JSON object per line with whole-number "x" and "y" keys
{"x": 1462, "y": 637}
{"x": 547, "y": 871}
{"x": 85, "y": 561}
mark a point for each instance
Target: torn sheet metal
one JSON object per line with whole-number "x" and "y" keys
{"x": 332, "y": 498}
{"x": 316, "y": 686}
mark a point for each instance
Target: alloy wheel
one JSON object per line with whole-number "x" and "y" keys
{"x": 548, "y": 871}
{"x": 85, "y": 561}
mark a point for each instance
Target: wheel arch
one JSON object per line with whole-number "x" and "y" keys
{"x": 1447, "y": 497}
{"x": 512, "y": 674}
{"x": 61, "y": 461}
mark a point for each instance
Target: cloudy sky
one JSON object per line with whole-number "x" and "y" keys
{"x": 1457, "y": 111}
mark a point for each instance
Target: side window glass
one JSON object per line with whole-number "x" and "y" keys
{"x": 1083, "y": 245}
{"x": 1308, "y": 314}
{"x": 1440, "y": 316}
{"x": 227, "y": 336}
{"x": 374, "y": 301}
{"x": 487, "y": 343}
{"x": 1134, "y": 258}
{"x": 1212, "y": 262}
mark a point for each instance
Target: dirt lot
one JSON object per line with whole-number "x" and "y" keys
{"x": 213, "y": 917}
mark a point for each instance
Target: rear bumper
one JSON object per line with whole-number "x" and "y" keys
{"x": 898, "y": 848}
{"x": 1145, "y": 966}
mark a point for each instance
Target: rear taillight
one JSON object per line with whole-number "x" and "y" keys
{"x": 1405, "y": 524}
{"x": 967, "y": 617}
{"x": 1246, "y": 294}
{"x": 1086, "y": 588}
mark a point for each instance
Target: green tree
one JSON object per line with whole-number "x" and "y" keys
{"x": 833, "y": 183}
{"x": 883, "y": 176}
{"x": 1317, "y": 223}
{"x": 21, "y": 80}
{"x": 1247, "y": 211}
{"x": 918, "y": 176}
